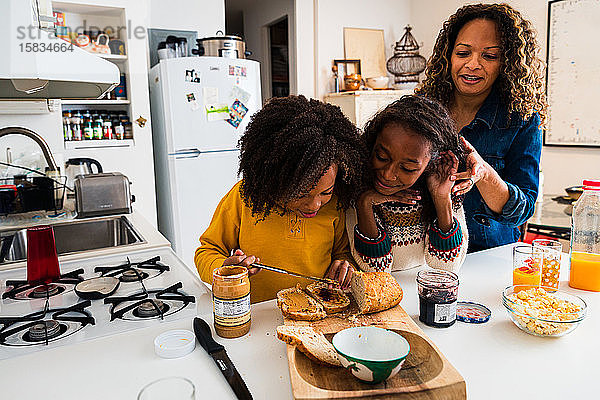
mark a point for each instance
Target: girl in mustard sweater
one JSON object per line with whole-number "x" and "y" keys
{"x": 301, "y": 162}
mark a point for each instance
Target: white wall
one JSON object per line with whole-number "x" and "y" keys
{"x": 204, "y": 16}
{"x": 562, "y": 166}
{"x": 335, "y": 15}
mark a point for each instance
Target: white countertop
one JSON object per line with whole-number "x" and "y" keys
{"x": 497, "y": 360}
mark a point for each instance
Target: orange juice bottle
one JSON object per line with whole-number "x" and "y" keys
{"x": 585, "y": 271}
{"x": 585, "y": 240}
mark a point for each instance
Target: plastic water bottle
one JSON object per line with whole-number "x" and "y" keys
{"x": 585, "y": 239}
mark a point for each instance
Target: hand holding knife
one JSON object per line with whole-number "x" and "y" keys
{"x": 219, "y": 355}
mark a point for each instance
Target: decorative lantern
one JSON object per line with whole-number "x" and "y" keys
{"x": 406, "y": 64}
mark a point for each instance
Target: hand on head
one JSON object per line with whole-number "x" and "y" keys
{"x": 239, "y": 258}
{"x": 439, "y": 181}
{"x": 466, "y": 180}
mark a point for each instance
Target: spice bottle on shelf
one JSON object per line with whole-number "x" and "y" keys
{"x": 118, "y": 127}
{"x": 98, "y": 125}
{"x": 76, "y": 123}
{"x": 585, "y": 239}
{"x": 88, "y": 129}
{"x": 67, "y": 130}
{"x": 107, "y": 127}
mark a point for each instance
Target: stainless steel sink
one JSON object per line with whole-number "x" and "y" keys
{"x": 73, "y": 237}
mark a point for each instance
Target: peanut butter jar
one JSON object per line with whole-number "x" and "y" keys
{"x": 231, "y": 301}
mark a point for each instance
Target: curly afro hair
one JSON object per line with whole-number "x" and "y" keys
{"x": 289, "y": 145}
{"x": 521, "y": 81}
{"x": 430, "y": 120}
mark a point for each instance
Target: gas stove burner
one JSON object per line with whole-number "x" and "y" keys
{"x": 45, "y": 329}
{"x": 133, "y": 275}
{"x": 23, "y": 290}
{"x": 42, "y": 291}
{"x": 149, "y": 304}
{"x": 134, "y": 271}
{"x": 150, "y": 308}
{"x": 45, "y": 326}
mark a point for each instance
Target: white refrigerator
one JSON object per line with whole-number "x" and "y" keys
{"x": 200, "y": 108}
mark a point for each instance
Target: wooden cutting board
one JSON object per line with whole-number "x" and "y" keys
{"x": 426, "y": 373}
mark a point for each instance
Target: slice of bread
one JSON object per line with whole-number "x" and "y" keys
{"x": 375, "y": 291}
{"x": 296, "y": 304}
{"x": 312, "y": 343}
{"x": 333, "y": 300}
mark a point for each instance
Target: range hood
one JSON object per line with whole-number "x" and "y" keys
{"x": 31, "y": 68}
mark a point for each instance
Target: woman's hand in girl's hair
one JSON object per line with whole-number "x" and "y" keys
{"x": 466, "y": 180}
{"x": 439, "y": 180}
{"x": 340, "y": 271}
{"x": 239, "y": 258}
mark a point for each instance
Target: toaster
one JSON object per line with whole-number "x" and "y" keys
{"x": 102, "y": 194}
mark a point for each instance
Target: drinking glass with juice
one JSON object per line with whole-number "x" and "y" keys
{"x": 526, "y": 267}
{"x": 548, "y": 252}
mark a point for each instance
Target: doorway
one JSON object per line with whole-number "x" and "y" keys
{"x": 279, "y": 58}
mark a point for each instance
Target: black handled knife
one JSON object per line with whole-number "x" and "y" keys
{"x": 218, "y": 353}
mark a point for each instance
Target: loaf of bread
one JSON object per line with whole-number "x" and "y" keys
{"x": 296, "y": 304}
{"x": 375, "y": 291}
{"x": 314, "y": 344}
{"x": 333, "y": 300}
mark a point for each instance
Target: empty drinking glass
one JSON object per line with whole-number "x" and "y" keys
{"x": 171, "y": 388}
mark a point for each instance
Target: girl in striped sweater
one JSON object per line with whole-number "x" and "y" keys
{"x": 409, "y": 216}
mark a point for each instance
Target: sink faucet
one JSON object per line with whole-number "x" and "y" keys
{"x": 37, "y": 138}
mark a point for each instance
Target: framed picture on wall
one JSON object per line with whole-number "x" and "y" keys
{"x": 573, "y": 74}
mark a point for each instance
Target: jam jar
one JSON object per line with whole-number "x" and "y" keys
{"x": 438, "y": 292}
{"x": 231, "y": 301}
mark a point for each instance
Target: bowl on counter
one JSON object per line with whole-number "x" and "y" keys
{"x": 574, "y": 192}
{"x": 378, "y": 82}
{"x": 543, "y": 312}
{"x": 370, "y": 353}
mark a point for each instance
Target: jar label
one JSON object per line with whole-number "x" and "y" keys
{"x": 445, "y": 313}
{"x": 231, "y": 312}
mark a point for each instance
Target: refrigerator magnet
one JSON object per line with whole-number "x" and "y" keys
{"x": 239, "y": 93}
{"x": 217, "y": 112}
{"x": 192, "y": 101}
{"x": 237, "y": 111}
{"x": 210, "y": 95}
{"x": 192, "y": 76}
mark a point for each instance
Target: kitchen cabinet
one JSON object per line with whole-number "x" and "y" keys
{"x": 132, "y": 156}
{"x": 360, "y": 105}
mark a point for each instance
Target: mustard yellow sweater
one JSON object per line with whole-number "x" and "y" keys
{"x": 303, "y": 245}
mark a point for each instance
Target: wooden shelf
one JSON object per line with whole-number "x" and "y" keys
{"x": 96, "y": 102}
{"x": 98, "y": 144}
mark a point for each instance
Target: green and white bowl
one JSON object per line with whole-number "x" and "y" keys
{"x": 372, "y": 354}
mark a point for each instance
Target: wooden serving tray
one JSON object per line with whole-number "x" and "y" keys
{"x": 426, "y": 373}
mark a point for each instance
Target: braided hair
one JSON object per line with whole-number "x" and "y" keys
{"x": 289, "y": 145}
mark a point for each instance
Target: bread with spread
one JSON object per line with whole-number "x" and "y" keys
{"x": 375, "y": 291}
{"x": 296, "y": 304}
{"x": 310, "y": 342}
{"x": 333, "y": 300}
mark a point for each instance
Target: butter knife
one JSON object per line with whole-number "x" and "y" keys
{"x": 283, "y": 271}
{"x": 219, "y": 355}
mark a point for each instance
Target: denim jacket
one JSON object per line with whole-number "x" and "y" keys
{"x": 512, "y": 147}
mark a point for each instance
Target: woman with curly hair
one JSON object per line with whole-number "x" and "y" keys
{"x": 408, "y": 215}
{"x": 486, "y": 70}
{"x": 301, "y": 163}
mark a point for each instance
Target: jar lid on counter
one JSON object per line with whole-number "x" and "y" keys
{"x": 473, "y": 313}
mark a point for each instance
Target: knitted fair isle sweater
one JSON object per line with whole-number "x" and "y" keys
{"x": 404, "y": 240}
